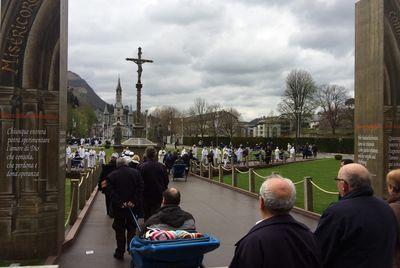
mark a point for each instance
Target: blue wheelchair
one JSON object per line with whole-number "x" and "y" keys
{"x": 179, "y": 171}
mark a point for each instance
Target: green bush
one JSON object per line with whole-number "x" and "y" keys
{"x": 338, "y": 157}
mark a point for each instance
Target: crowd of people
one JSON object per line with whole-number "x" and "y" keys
{"x": 138, "y": 186}
{"x": 84, "y": 153}
{"x": 240, "y": 155}
{"x": 360, "y": 230}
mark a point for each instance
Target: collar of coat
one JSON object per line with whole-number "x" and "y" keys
{"x": 278, "y": 219}
{"x": 362, "y": 191}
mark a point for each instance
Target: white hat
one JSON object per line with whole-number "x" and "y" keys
{"x": 127, "y": 159}
{"x": 115, "y": 155}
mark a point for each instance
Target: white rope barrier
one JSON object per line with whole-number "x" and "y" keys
{"x": 197, "y": 165}
{"x": 70, "y": 209}
{"x": 241, "y": 172}
{"x": 258, "y": 175}
{"x": 80, "y": 183}
{"x": 298, "y": 182}
{"x": 323, "y": 190}
{"x": 227, "y": 169}
{"x": 215, "y": 168}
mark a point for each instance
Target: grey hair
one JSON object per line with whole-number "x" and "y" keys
{"x": 121, "y": 161}
{"x": 357, "y": 180}
{"x": 274, "y": 204}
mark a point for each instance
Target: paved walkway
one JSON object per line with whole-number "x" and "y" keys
{"x": 218, "y": 211}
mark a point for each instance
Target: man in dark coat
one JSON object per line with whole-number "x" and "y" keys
{"x": 277, "y": 240}
{"x": 105, "y": 171}
{"x": 170, "y": 216}
{"x": 125, "y": 186}
{"x": 360, "y": 230}
{"x": 156, "y": 181}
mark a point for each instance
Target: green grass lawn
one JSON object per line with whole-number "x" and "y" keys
{"x": 322, "y": 171}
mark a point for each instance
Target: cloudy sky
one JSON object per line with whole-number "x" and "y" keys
{"x": 233, "y": 52}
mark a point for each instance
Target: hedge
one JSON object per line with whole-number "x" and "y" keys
{"x": 328, "y": 145}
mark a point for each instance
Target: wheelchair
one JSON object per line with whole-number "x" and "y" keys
{"x": 179, "y": 171}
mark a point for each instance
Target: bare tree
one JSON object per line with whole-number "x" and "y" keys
{"x": 332, "y": 98}
{"x": 213, "y": 120}
{"x": 297, "y": 101}
{"x": 199, "y": 112}
{"x": 168, "y": 118}
{"x": 229, "y": 122}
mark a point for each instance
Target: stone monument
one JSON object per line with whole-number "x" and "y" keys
{"x": 138, "y": 126}
{"x": 33, "y": 68}
{"x": 138, "y": 143}
{"x": 117, "y": 137}
{"x": 377, "y": 88}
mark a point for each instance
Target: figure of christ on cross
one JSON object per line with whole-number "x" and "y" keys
{"x": 139, "y": 61}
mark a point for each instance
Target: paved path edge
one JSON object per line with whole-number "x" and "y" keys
{"x": 74, "y": 231}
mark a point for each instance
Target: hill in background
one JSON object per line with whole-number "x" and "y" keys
{"x": 84, "y": 92}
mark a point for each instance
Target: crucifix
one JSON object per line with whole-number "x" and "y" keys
{"x": 139, "y": 61}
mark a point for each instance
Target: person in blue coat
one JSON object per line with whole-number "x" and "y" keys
{"x": 360, "y": 230}
{"x": 278, "y": 240}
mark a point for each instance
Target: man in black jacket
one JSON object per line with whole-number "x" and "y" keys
{"x": 125, "y": 186}
{"x": 170, "y": 216}
{"x": 105, "y": 171}
{"x": 277, "y": 240}
{"x": 360, "y": 229}
{"x": 156, "y": 181}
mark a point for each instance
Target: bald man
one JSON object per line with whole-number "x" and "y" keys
{"x": 170, "y": 216}
{"x": 360, "y": 230}
{"x": 277, "y": 240}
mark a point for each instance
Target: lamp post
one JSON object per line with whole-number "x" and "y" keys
{"x": 216, "y": 127}
{"x": 297, "y": 112}
{"x": 146, "y": 112}
{"x": 182, "y": 130}
{"x": 170, "y": 131}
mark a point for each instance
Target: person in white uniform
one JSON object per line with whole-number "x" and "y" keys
{"x": 68, "y": 154}
{"x": 277, "y": 154}
{"x": 102, "y": 157}
{"x": 204, "y": 154}
{"x": 161, "y": 155}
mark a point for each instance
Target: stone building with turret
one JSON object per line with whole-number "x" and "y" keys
{"x": 117, "y": 113}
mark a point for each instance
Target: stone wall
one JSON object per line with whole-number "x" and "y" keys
{"x": 32, "y": 127}
{"x": 377, "y": 85}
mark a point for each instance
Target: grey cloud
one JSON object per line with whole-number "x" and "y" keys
{"x": 337, "y": 40}
{"x": 234, "y": 52}
{"x": 183, "y": 12}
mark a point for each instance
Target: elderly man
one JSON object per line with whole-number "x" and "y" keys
{"x": 125, "y": 186}
{"x": 105, "y": 171}
{"x": 156, "y": 181}
{"x": 170, "y": 216}
{"x": 360, "y": 230}
{"x": 277, "y": 240}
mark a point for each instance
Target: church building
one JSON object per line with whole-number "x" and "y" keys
{"x": 117, "y": 113}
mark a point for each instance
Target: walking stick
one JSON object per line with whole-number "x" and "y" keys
{"x": 136, "y": 221}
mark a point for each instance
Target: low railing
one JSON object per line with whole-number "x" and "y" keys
{"x": 308, "y": 183}
{"x": 81, "y": 190}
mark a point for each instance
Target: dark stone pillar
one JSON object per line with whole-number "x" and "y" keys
{"x": 377, "y": 88}
{"x": 33, "y": 65}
